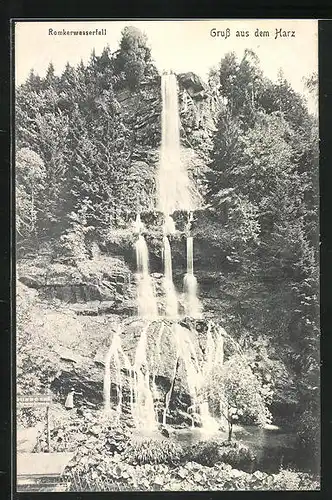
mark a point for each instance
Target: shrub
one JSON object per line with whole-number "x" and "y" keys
{"x": 150, "y": 451}
{"x": 105, "y": 474}
{"x": 309, "y": 431}
{"x": 80, "y": 434}
{"x": 37, "y": 363}
{"x": 291, "y": 480}
{"x": 211, "y": 452}
{"x": 240, "y": 394}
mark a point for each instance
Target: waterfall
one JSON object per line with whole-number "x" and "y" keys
{"x": 141, "y": 398}
{"x": 146, "y": 300}
{"x": 174, "y": 189}
{"x": 187, "y": 352}
{"x": 190, "y": 255}
{"x": 169, "y": 225}
{"x": 193, "y": 306}
{"x": 210, "y": 353}
{"x": 157, "y": 353}
{"x": 175, "y": 192}
{"x": 209, "y": 424}
{"x": 138, "y": 224}
{"x": 144, "y": 411}
{"x": 114, "y": 352}
{"x": 212, "y": 358}
{"x": 219, "y": 355}
{"x": 142, "y": 373}
{"x": 142, "y": 256}
{"x": 170, "y": 292}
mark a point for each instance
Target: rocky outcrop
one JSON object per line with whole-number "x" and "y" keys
{"x": 102, "y": 279}
{"x": 78, "y": 346}
{"x": 192, "y": 83}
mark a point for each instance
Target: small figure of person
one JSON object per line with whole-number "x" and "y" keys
{"x": 69, "y": 404}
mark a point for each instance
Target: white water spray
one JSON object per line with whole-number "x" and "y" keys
{"x": 146, "y": 300}
{"x": 144, "y": 411}
{"x": 169, "y": 225}
{"x": 170, "y": 292}
{"x": 192, "y": 303}
{"x": 138, "y": 224}
{"x": 115, "y": 353}
{"x": 174, "y": 188}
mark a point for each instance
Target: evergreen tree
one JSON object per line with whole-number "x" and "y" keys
{"x": 133, "y": 57}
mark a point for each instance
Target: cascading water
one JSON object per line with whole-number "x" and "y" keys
{"x": 157, "y": 353}
{"x": 169, "y": 225}
{"x": 210, "y": 353}
{"x": 141, "y": 385}
{"x": 141, "y": 397}
{"x": 170, "y": 292}
{"x": 192, "y": 304}
{"x": 138, "y": 224}
{"x": 209, "y": 424}
{"x": 115, "y": 352}
{"x": 146, "y": 300}
{"x": 174, "y": 189}
{"x": 190, "y": 256}
{"x": 144, "y": 411}
{"x": 212, "y": 357}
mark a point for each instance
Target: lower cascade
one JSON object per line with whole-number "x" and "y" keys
{"x": 134, "y": 376}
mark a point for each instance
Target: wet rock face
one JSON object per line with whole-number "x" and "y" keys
{"x": 91, "y": 390}
{"x": 79, "y": 344}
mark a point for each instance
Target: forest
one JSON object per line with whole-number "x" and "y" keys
{"x": 86, "y": 147}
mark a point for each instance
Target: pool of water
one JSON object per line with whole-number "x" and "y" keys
{"x": 274, "y": 447}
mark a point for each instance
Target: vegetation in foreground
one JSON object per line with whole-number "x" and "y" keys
{"x": 111, "y": 456}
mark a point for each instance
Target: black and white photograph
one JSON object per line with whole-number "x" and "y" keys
{"x": 167, "y": 255}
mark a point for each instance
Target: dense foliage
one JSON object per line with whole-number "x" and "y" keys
{"x": 210, "y": 452}
{"x": 191, "y": 477}
{"x": 264, "y": 192}
{"x": 150, "y": 451}
{"x": 75, "y": 145}
{"x": 240, "y": 395}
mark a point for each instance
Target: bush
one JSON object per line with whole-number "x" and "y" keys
{"x": 150, "y": 451}
{"x": 80, "y": 434}
{"x": 37, "y": 363}
{"x": 104, "y": 473}
{"x": 211, "y": 452}
{"x": 291, "y": 480}
{"x": 309, "y": 431}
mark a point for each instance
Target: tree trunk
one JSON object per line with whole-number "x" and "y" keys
{"x": 230, "y": 431}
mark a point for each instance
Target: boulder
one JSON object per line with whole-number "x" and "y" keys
{"x": 191, "y": 82}
{"x": 68, "y": 355}
{"x": 32, "y": 281}
{"x": 87, "y": 309}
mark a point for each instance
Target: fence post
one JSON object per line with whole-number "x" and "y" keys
{"x": 48, "y": 429}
